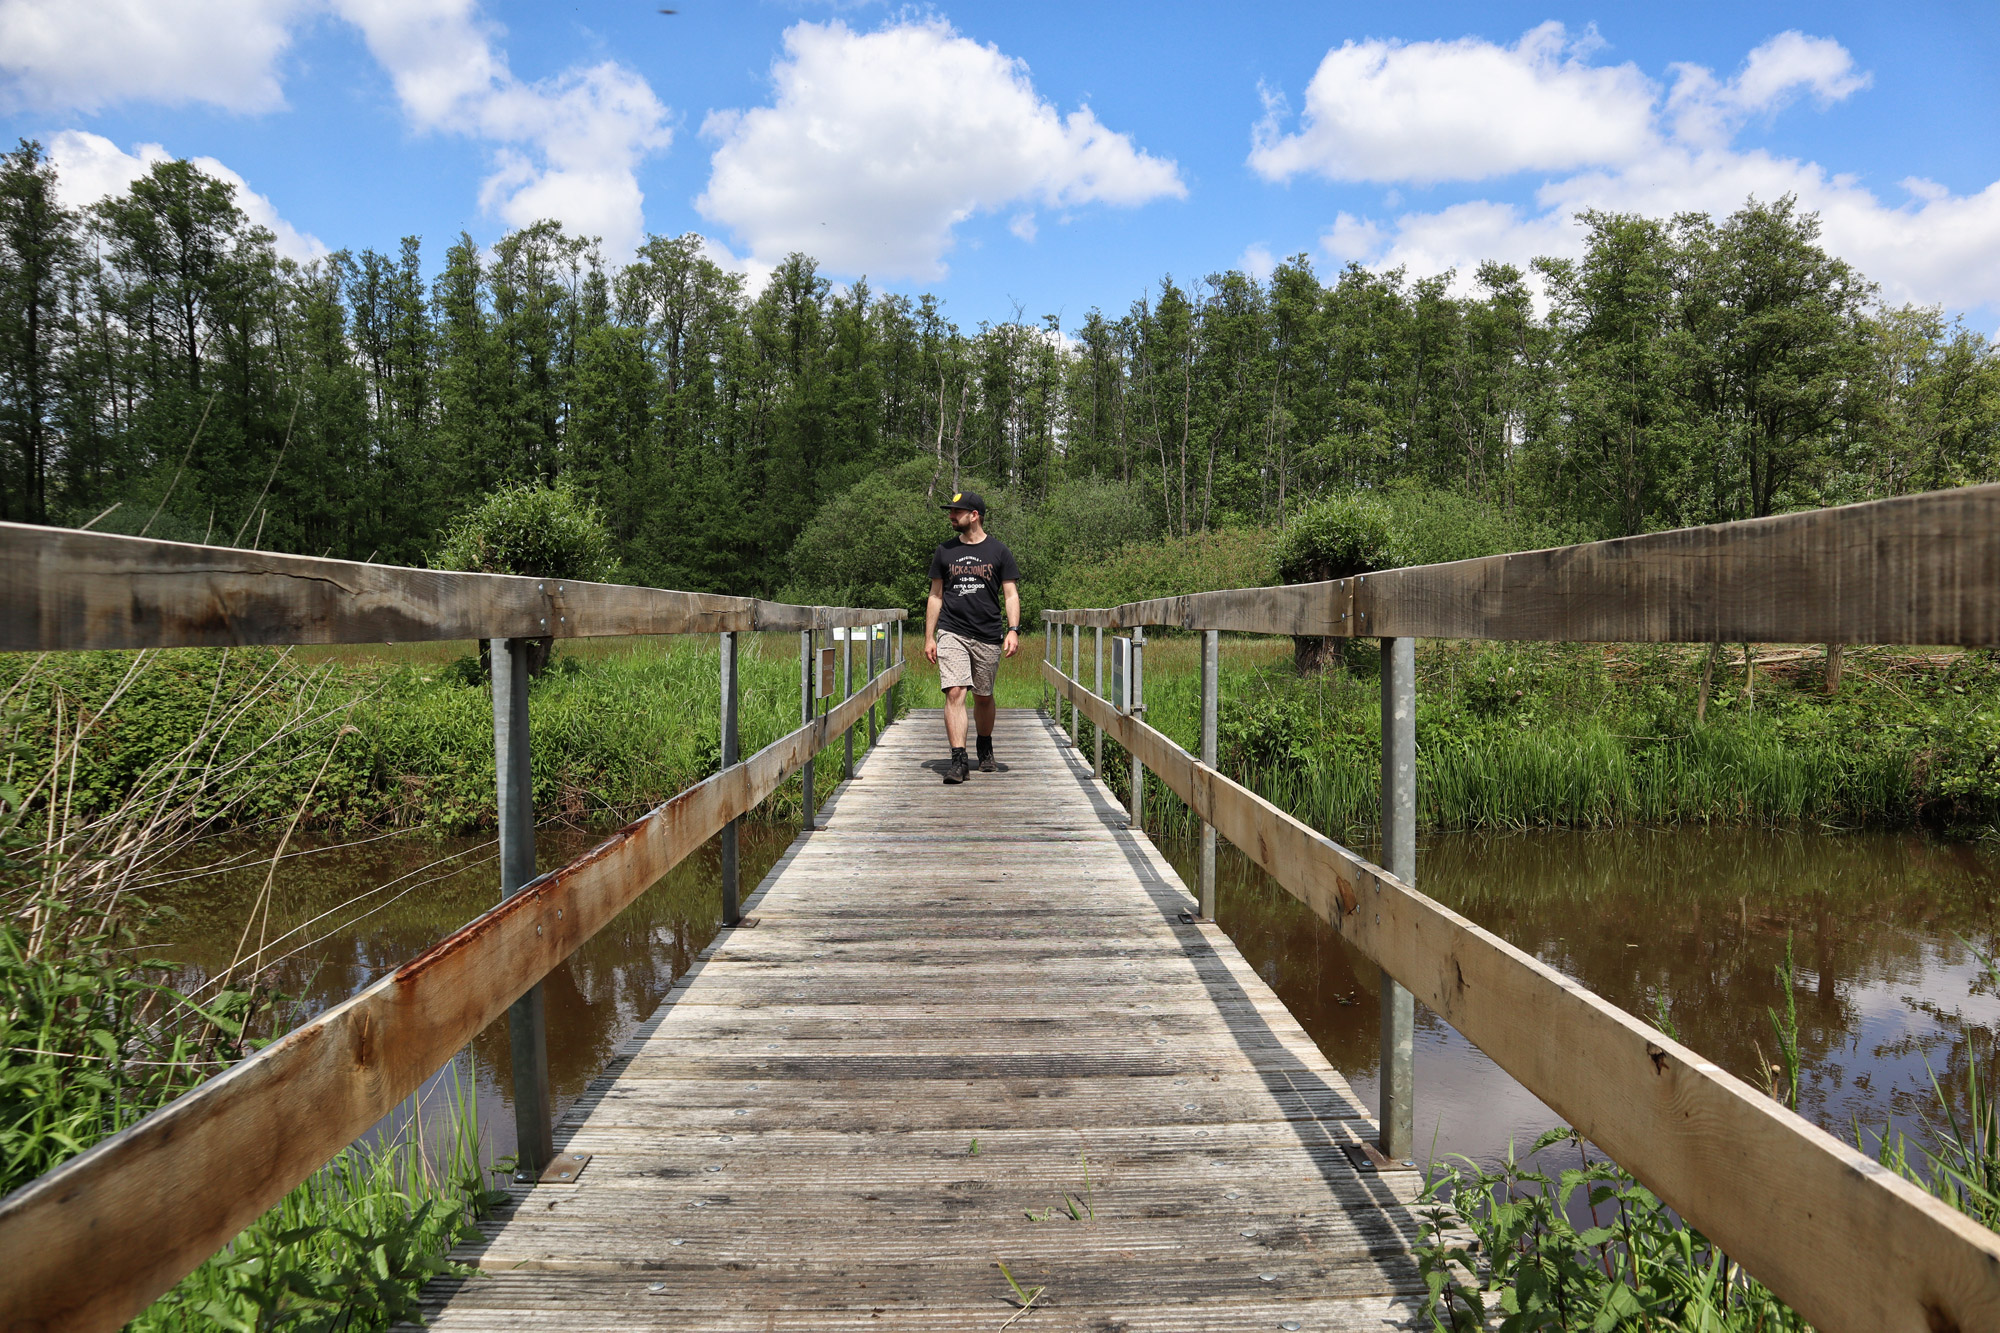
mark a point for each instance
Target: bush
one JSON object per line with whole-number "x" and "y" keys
{"x": 1199, "y": 562}
{"x": 541, "y": 531}
{"x": 1079, "y": 522}
{"x": 871, "y": 544}
{"x": 1337, "y": 538}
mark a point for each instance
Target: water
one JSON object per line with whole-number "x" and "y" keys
{"x": 374, "y": 904}
{"x": 1888, "y": 990}
{"x": 1696, "y": 918}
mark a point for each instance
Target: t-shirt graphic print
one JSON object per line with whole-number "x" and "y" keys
{"x": 972, "y": 573}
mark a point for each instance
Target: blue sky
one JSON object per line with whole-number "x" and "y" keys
{"x": 1042, "y": 157}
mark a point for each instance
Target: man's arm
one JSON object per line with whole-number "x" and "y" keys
{"x": 1012, "y": 643}
{"x": 931, "y": 608}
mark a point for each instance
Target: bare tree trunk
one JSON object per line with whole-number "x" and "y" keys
{"x": 938, "y": 470}
{"x": 1833, "y": 665}
{"x": 1312, "y": 654}
{"x": 1707, "y": 679}
{"x": 1750, "y": 677}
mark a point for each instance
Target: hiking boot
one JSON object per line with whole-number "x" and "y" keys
{"x": 986, "y": 764}
{"x": 956, "y": 771}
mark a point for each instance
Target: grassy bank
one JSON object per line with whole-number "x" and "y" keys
{"x": 1508, "y": 736}
{"x": 1585, "y": 735}
{"x": 393, "y": 737}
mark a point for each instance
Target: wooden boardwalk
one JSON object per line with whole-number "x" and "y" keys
{"x": 961, "y": 1011}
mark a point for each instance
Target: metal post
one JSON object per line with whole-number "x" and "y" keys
{"x": 1399, "y": 858}
{"x": 1139, "y": 713}
{"x": 1075, "y": 674}
{"x": 1097, "y": 732}
{"x": 527, "y": 1027}
{"x": 871, "y": 681}
{"x": 847, "y": 692}
{"x": 896, "y": 690}
{"x": 806, "y": 714}
{"x": 1049, "y": 657}
{"x": 732, "y": 911}
{"x": 1211, "y": 663}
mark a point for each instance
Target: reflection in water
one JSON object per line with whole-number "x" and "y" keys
{"x": 381, "y": 902}
{"x": 1693, "y": 919}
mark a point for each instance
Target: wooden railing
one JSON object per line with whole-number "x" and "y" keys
{"x": 1844, "y": 1240}
{"x": 92, "y": 1243}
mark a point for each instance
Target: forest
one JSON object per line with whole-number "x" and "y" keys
{"x": 163, "y": 370}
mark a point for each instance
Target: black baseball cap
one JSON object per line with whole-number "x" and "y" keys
{"x": 966, "y": 500}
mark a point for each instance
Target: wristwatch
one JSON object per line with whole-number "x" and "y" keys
{"x": 1013, "y": 629}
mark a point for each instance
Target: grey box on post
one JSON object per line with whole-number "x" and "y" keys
{"x": 824, "y": 682}
{"x": 1121, "y": 674}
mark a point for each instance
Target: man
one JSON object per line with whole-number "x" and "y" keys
{"x": 965, "y": 633}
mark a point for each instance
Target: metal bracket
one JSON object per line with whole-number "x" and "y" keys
{"x": 1195, "y": 919}
{"x": 1368, "y": 1159}
{"x": 748, "y": 922}
{"x": 564, "y": 1170}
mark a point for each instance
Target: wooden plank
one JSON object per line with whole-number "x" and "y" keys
{"x": 174, "y": 1188}
{"x": 798, "y": 1131}
{"x": 1846, "y": 1242}
{"x": 1298, "y": 608}
{"x": 1918, "y": 569}
{"x": 64, "y": 589}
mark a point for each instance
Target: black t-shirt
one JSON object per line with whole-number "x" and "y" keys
{"x": 972, "y": 574}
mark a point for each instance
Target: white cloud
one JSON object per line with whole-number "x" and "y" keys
{"x": 877, "y": 145}
{"x": 83, "y": 55}
{"x": 1258, "y": 261}
{"x": 1705, "y": 111}
{"x": 570, "y": 146}
{"x": 1464, "y": 110}
{"x": 567, "y": 148}
{"x": 1933, "y": 247}
{"x": 89, "y": 167}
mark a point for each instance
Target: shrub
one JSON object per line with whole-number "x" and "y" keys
{"x": 541, "y": 531}
{"x": 1337, "y": 538}
{"x": 1199, "y": 562}
{"x": 871, "y": 544}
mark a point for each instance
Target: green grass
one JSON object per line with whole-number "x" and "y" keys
{"x": 1508, "y": 736}
{"x": 1574, "y": 735}
{"x": 617, "y": 726}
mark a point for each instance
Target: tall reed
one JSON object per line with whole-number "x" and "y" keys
{"x": 93, "y": 1036}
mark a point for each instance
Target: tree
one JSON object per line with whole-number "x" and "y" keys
{"x": 1769, "y": 348}
{"x": 38, "y": 254}
{"x": 1337, "y": 538}
{"x": 1610, "y": 312}
{"x": 547, "y": 532}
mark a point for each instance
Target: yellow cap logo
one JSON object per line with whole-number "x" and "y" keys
{"x": 958, "y": 495}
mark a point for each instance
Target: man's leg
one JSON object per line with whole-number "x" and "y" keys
{"x": 954, "y": 716}
{"x": 983, "y": 713}
{"x": 954, "y": 732}
{"x": 985, "y": 674}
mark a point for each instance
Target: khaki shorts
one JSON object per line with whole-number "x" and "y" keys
{"x": 967, "y": 663}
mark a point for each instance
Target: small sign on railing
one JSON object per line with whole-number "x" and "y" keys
{"x": 823, "y": 679}
{"x": 1121, "y": 674}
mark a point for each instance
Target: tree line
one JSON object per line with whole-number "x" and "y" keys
{"x": 159, "y": 360}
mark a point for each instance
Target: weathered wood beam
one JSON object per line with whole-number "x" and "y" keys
{"x": 1919, "y": 569}
{"x": 1842, "y": 1239}
{"x": 165, "y": 1194}
{"x": 63, "y": 589}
